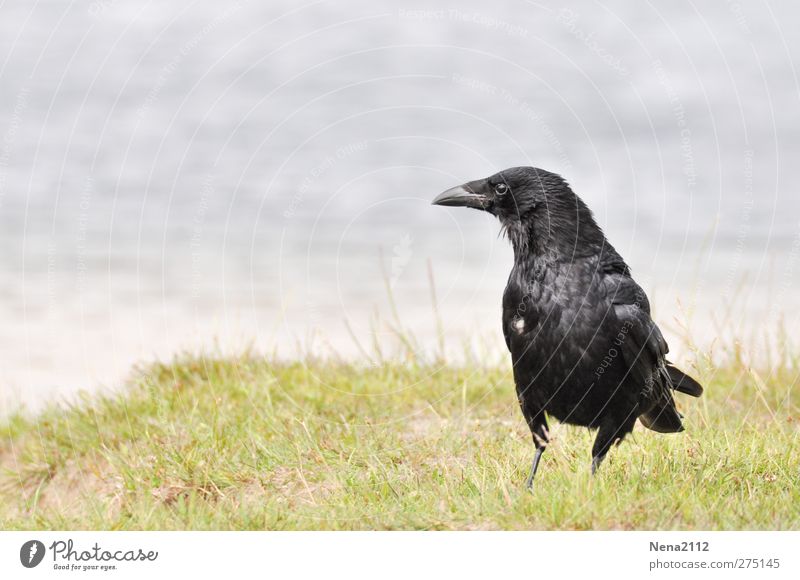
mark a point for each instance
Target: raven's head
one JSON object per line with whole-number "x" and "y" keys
{"x": 537, "y": 209}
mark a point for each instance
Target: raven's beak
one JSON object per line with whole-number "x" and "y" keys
{"x": 463, "y": 195}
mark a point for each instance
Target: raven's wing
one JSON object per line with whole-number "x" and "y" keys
{"x": 643, "y": 345}
{"x": 644, "y": 352}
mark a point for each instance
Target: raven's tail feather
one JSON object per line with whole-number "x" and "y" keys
{"x": 683, "y": 383}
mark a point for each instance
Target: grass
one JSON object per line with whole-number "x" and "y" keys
{"x": 245, "y": 443}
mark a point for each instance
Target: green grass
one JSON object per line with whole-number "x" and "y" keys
{"x": 213, "y": 443}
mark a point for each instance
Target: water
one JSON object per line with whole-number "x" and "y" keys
{"x": 199, "y": 175}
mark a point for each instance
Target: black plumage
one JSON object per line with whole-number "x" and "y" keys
{"x": 583, "y": 346}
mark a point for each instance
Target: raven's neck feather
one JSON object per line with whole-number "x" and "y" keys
{"x": 562, "y": 230}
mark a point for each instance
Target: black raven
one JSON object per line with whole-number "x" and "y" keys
{"x": 583, "y": 346}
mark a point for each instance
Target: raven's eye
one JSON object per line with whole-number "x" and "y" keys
{"x": 501, "y": 189}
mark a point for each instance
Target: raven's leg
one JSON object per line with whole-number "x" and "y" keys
{"x": 612, "y": 430}
{"x": 541, "y": 437}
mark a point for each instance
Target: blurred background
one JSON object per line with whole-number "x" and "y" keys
{"x": 201, "y": 176}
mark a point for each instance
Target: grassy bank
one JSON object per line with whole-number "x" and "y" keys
{"x": 246, "y": 444}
